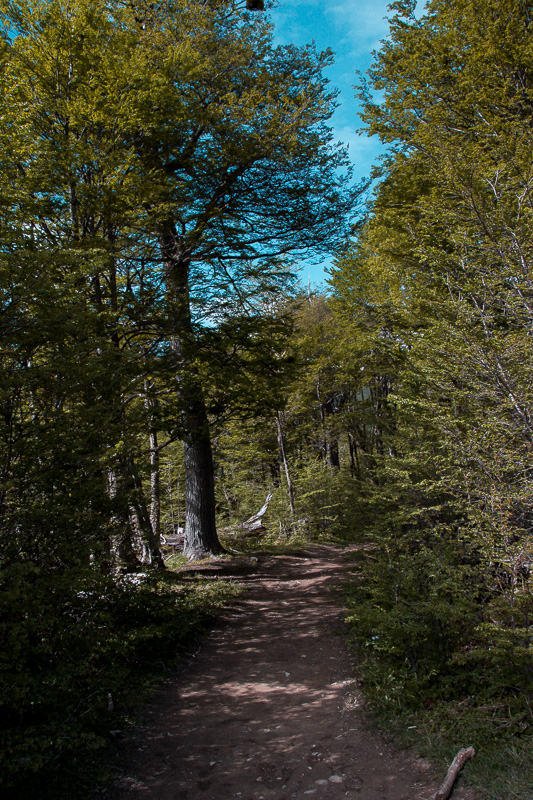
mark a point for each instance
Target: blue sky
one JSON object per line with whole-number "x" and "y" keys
{"x": 352, "y": 29}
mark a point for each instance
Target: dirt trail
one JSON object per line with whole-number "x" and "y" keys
{"x": 268, "y": 709}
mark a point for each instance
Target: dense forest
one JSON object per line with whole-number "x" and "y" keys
{"x": 165, "y": 168}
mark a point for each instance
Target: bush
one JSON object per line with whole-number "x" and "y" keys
{"x": 75, "y": 647}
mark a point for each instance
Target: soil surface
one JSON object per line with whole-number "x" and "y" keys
{"x": 268, "y": 708}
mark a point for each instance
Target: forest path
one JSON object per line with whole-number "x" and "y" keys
{"x": 268, "y": 708}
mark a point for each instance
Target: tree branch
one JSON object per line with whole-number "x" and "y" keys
{"x": 456, "y": 766}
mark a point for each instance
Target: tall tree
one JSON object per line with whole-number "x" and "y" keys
{"x": 245, "y": 176}
{"x": 178, "y": 161}
{"x": 442, "y": 267}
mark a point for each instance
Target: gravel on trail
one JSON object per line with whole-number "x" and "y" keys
{"x": 269, "y": 708}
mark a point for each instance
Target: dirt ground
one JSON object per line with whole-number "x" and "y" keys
{"x": 268, "y": 708}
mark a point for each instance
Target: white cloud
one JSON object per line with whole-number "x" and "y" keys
{"x": 352, "y": 29}
{"x": 363, "y": 23}
{"x": 363, "y": 150}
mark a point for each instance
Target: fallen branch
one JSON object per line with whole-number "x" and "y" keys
{"x": 242, "y": 533}
{"x": 255, "y": 521}
{"x": 456, "y": 766}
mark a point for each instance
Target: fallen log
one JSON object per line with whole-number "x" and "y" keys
{"x": 175, "y": 539}
{"x": 455, "y": 767}
{"x": 237, "y": 530}
{"x": 255, "y": 521}
{"x": 252, "y": 526}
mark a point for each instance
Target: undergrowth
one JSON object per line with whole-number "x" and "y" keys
{"x": 501, "y": 768}
{"x": 437, "y": 674}
{"x": 270, "y": 542}
{"x": 78, "y": 653}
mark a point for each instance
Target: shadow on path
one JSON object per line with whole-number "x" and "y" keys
{"x": 269, "y": 708}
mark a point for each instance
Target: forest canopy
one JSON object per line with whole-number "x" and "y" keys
{"x": 164, "y": 168}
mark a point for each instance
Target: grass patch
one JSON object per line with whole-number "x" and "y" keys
{"x": 175, "y": 562}
{"x": 502, "y": 768}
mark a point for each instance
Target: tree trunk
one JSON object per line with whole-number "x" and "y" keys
{"x": 285, "y": 463}
{"x": 123, "y": 555}
{"x": 150, "y": 542}
{"x": 155, "y": 480}
{"x": 333, "y": 453}
{"x": 155, "y": 486}
{"x": 354, "y": 458}
{"x": 201, "y": 538}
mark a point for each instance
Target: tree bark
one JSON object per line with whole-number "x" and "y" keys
{"x": 121, "y": 547}
{"x": 285, "y": 463}
{"x": 155, "y": 478}
{"x": 155, "y": 486}
{"x": 354, "y": 458}
{"x": 201, "y": 537}
{"x": 456, "y": 766}
{"x": 333, "y": 453}
{"x": 150, "y": 541}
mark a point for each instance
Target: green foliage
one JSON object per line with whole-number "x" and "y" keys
{"x": 152, "y": 174}
{"x": 325, "y": 501}
{"x": 249, "y": 465}
{"x": 434, "y": 300}
{"x": 156, "y": 161}
{"x": 69, "y": 644}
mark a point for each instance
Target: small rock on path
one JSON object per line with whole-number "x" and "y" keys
{"x": 269, "y": 708}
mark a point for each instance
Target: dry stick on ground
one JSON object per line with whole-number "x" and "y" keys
{"x": 456, "y": 766}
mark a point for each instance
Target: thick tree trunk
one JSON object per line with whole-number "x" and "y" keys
{"x": 201, "y": 538}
